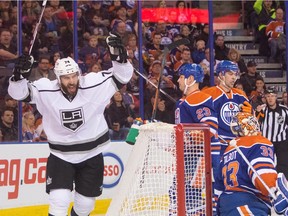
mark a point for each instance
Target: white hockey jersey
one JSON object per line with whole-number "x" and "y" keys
{"x": 76, "y": 130}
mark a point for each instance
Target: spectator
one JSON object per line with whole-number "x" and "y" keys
{"x": 121, "y": 15}
{"x": 119, "y": 118}
{"x": 66, "y": 39}
{"x": 161, "y": 13}
{"x": 54, "y": 57}
{"x": 258, "y": 93}
{"x": 273, "y": 30}
{"x": 30, "y": 9}
{"x": 221, "y": 50}
{"x": 97, "y": 27}
{"x": 49, "y": 23}
{"x": 185, "y": 58}
{"x": 93, "y": 52}
{"x": 198, "y": 55}
{"x": 175, "y": 54}
{"x": 206, "y": 61}
{"x": 249, "y": 79}
{"x": 284, "y": 99}
{"x": 130, "y": 101}
{"x": 187, "y": 33}
{"x": 235, "y": 56}
{"x": 13, "y": 105}
{"x": 83, "y": 30}
{"x": 182, "y": 13}
{"x": 273, "y": 120}
{"x": 162, "y": 113}
{"x": 28, "y": 127}
{"x": 132, "y": 43}
{"x": 42, "y": 70}
{"x": 96, "y": 7}
{"x": 204, "y": 35}
{"x": 266, "y": 13}
{"x": 112, "y": 9}
{"x": 238, "y": 85}
{"x": 120, "y": 29}
{"x": 206, "y": 80}
{"x": 5, "y": 8}
{"x": 8, "y": 50}
{"x": 155, "y": 47}
{"x": 8, "y": 131}
{"x": 95, "y": 68}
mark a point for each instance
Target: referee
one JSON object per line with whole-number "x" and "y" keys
{"x": 273, "y": 118}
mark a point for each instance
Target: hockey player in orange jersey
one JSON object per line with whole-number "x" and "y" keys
{"x": 227, "y": 100}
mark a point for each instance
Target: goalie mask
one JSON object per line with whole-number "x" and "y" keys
{"x": 65, "y": 66}
{"x": 244, "y": 124}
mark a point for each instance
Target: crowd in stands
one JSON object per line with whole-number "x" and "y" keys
{"x": 95, "y": 19}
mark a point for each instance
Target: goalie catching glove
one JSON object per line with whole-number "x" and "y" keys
{"x": 246, "y": 107}
{"x": 23, "y": 66}
{"x": 116, "y": 48}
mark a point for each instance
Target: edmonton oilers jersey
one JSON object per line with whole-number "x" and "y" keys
{"x": 236, "y": 176}
{"x": 226, "y": 105}
{"x": 198, "y": 107}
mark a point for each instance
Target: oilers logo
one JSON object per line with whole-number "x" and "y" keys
{"x": 227, "y": 111}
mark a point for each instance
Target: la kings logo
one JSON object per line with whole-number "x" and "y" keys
{"x": 72, "y": 119}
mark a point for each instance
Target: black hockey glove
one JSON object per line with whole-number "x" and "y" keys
{"x": 116, "y": 48}
{"x": 23, "y": 66}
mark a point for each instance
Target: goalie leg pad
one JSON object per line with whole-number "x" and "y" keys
{"x": 83, "y": 205}
{"x": 282, "y": 185}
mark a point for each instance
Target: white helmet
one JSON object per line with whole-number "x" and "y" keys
{"x": 65, "y": 66}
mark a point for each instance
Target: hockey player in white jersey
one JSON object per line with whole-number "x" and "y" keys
{"x": 72, "y": 108}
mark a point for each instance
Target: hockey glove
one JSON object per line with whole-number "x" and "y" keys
{"x": 23, "y": 66}
{"x": 246, "y": 107}
{"x": 280, "y": 204}
{"x": 116, "y": 48}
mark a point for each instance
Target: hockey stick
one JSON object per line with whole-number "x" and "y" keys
{"x": 167, "y": 48}
{"x": 37, "y": 26}
{"x": 163, "y": 92}
{"x": 234, "y": 144}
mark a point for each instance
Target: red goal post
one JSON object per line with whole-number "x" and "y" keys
{"x": 168, "y": 173}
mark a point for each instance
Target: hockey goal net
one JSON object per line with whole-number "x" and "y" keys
{"x": 168, "y": 173}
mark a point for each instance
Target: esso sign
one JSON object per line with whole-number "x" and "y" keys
{"x": 113, "y": 169}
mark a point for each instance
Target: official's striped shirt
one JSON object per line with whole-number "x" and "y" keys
{"x": 274, "y": 123}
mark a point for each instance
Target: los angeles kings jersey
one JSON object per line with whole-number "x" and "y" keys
{"x": 76, "y": 130}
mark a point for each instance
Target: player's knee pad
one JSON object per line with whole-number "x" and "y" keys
{"x": 83, "y": 205}
{"x": 59, "y": 201}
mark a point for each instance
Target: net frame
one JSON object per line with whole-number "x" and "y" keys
{"x": 174, "y": 140}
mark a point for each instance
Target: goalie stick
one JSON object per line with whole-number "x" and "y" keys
{"x": 37, "y": 26}
{"x": 234, "y": 144}
{"x": 167, "y": 48}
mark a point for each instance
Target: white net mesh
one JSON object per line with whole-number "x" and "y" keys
{"x": 149, "y": 183}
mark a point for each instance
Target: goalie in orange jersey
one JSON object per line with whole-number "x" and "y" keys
{"x": 247, "y": 181}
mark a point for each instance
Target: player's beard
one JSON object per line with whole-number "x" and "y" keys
{"x": 71, "y": 89}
